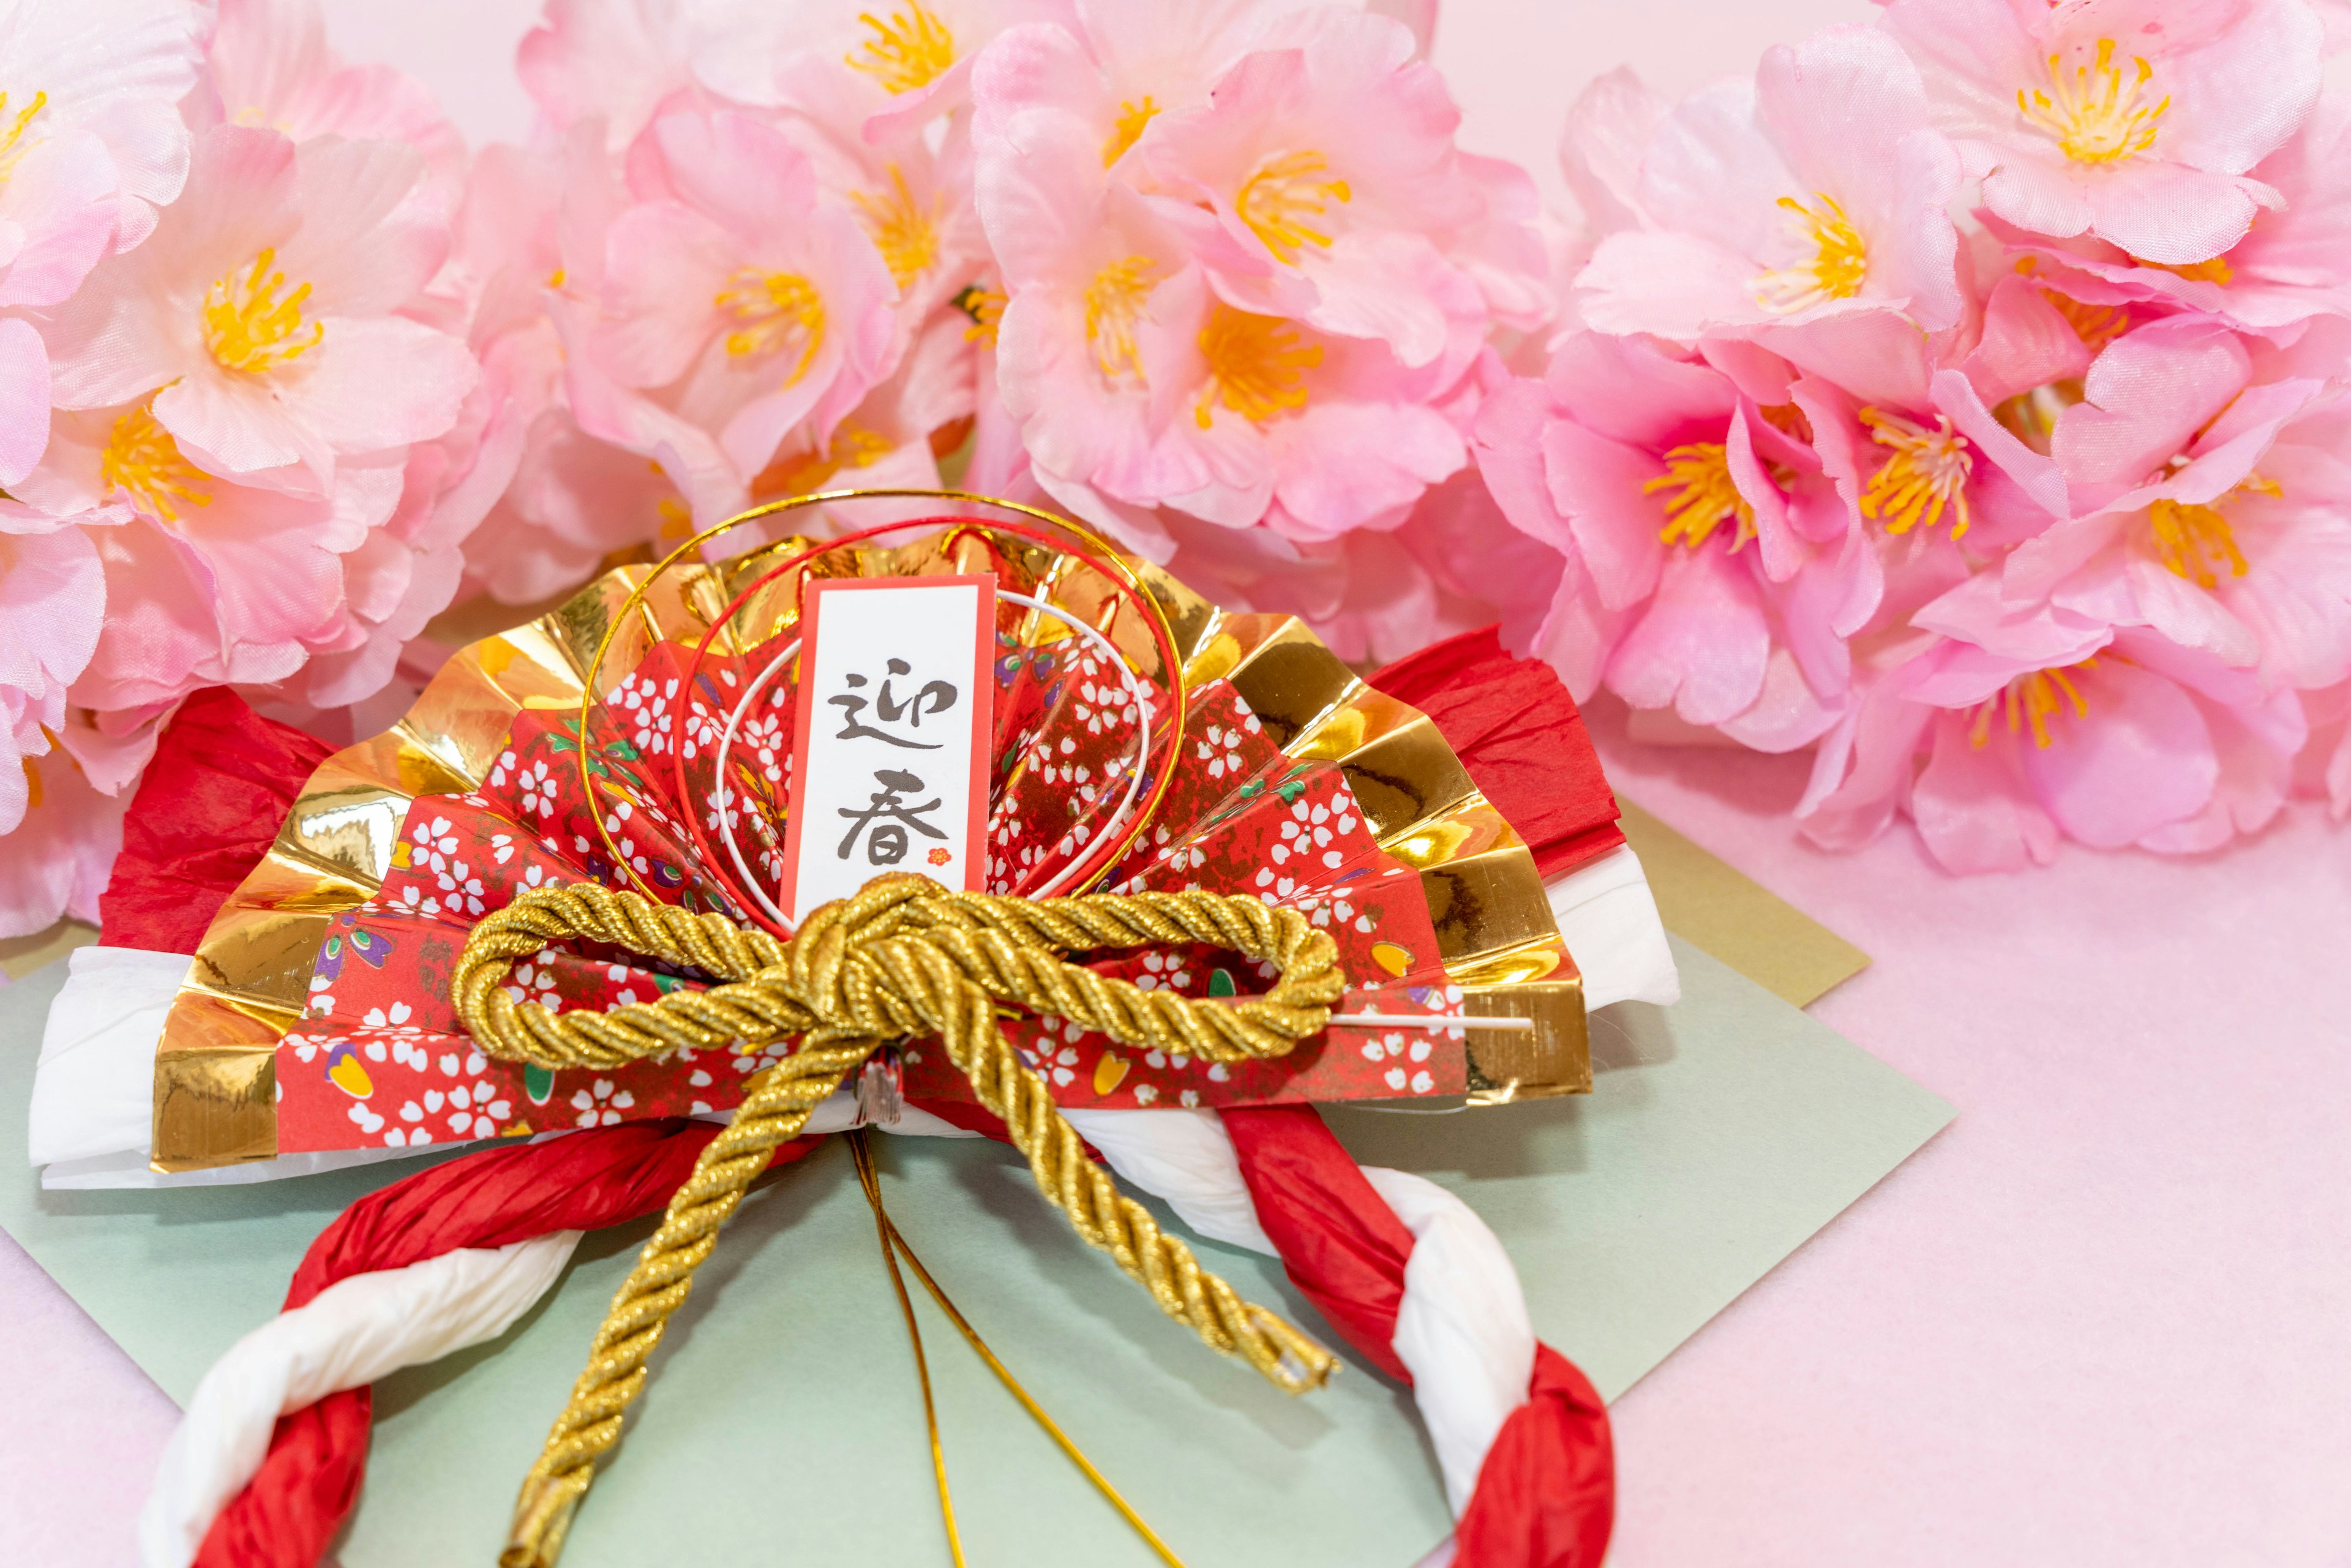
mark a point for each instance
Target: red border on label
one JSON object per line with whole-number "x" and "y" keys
{"x": 983, "y": 684}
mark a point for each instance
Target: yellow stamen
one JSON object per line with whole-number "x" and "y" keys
{"x": 906, "y": 235}
{"x": 2194, "y": 540}
{"x": 912, "y": 49}
{"x": 2097, "y": 117}
{"x": 248, "y": 328}
{"x": 2031, "y": 416}
{"x": 777, "y": 310}
{"x": 1277, "y": 199}
{"x": 1257, "y": 365}
{"x": 985, "y": 306}
{"x": 2214, "y": 270}
{"x": 1927, "y": 474}
{"x": 1113, "y": 303}
{"x": 1701, "y": 496}
{"x": 1789, "y": 421}
{"x": 142, "y": 463}
{"x": 1839, "y": 264}
{"x": 1128, "y": 128}
{"x": 2032, "y": 700}
{"x": 32, "y": 786}
{"x": 2095, "y": 325}
{"x": 13, "y": 145}
{"x": 802, "y": 472}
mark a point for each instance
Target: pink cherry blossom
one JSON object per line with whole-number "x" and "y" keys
{"x": 1715, "y": 569}
{"x": 2134, "y": 740}
{"x": 256, "y": 324}
{"x": 52, "y": 597}
{"x": 56, "y": 861}
{"x": 1337, "y": 196}
{"x": 211, "y": 580}
{"x": 2137, "y": 120}
{"x": 2292, "y": 264}
{"x": 1923, "y": 458}
{"x": 113, "y": 69}
{"x": 272, "y": 66}
{"x": 610, "y": 62}
{"x": 735, "y": 307}
{"x": 2234, "y": 536}
{"x": 879, "y": 68}
{"x": 90, "y": 140}
{"x": 1264, "y": 308}
{"x": 1817, "y": 190}
{"x": 1454, "y": 565}
{"x": 567, "y": 500}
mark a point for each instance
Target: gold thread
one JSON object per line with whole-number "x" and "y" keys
{"x": 901, "y": 957}
{"x": 1004, "y": 1374}
{"x": 861, "y": 1152}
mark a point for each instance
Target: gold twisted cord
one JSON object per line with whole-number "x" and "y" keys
{"x": 1011, "y": 947}
{"x": 902, "y": 957}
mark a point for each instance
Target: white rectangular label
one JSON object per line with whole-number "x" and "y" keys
{"x": 890, "y": 769}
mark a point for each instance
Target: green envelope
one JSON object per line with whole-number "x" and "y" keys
{"x": 783, "y": 1423}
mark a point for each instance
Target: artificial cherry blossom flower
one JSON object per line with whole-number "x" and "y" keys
{"x": 116, "y": 69}
{"x": 2292, "y": 264}
{"x": 610, "y": 62}
{"x": 2129, "y": 740}
{"x": 90, "y": 142}
{"x": 1321, "y": 184}
{"x": 61, "y": 849}
{"x": 1713, "y": 568}
{"x": 879, "y": 67}
{"x": 2139, "y": 122}
{"x": 209, "y": 580}
{"x": 257, "y": 325}
{"x": 1137, "y": 382}
{"x": 272, "y": 66}
{"x": 567, "y": 500}
{"x": 2234, "y": 536}
{"x": 1817, "y": 190}
{"x": 52, "y": 598}
{"x": 735, "y": 304}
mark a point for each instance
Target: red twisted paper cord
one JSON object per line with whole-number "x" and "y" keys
{"x": 1545, "y": 1496}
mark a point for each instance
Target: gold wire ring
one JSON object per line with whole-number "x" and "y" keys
{"x": 1108, "y": 551}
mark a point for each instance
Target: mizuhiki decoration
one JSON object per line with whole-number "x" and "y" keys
{"x": 568, "y": 893}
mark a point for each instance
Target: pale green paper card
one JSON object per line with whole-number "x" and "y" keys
{"x": 783, "y": 1423}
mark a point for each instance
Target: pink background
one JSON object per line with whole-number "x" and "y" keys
{"x": 2104, "y": 1318}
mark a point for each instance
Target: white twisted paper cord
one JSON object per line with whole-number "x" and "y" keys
{"x": 351, "y": 1333}
{"x": 1462, "y": 1328}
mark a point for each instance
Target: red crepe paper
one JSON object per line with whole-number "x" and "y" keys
{"x": 222, "y": 779}
{"x": 1341, "y": 1244}
{"x": 1546, "y": 1494}
{"x": 1518, "y": 731}
{"x": 287, "y": 1515}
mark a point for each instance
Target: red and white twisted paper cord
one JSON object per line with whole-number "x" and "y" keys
{"x": 452, "y": 1256}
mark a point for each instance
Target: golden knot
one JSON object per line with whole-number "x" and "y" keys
{"x": 904, "y": 958}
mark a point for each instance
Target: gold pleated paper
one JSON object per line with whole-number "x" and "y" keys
{"x": 215, "y": 1085}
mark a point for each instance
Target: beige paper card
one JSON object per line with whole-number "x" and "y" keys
{"x": 1735, "y": 918}
{"x": 20, "y": 956}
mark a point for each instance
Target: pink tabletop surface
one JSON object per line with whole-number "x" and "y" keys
{"x": 2101, "y": 1319}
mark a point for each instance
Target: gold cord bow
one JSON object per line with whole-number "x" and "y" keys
{"x": 901, "y": 958}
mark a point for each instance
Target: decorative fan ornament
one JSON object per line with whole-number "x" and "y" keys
{"x": 641, "y": 737}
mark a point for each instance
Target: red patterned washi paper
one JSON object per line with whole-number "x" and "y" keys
{"x": 381, "y": 1059}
